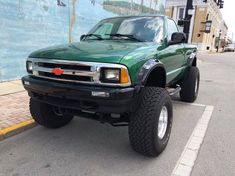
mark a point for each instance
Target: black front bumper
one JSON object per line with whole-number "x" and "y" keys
{"x": 79, "y": 97}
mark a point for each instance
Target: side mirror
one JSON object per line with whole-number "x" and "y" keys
{"x": 82, "y": 37}
{"x": 177, "y": 37}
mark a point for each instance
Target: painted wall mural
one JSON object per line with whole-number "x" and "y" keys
{"x": 28, "y": 25}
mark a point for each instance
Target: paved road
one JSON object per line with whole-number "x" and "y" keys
{"x": 217, "y": 155}
{"x": 86, "y": 147}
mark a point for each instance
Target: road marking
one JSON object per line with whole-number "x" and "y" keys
{"x": 191, "y": 104}
{"x": 185, "y": 164}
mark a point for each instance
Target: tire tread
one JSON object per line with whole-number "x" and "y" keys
{"x": 143, "y": 120}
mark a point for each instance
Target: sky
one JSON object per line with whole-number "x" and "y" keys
{"x": 228, "y": 15}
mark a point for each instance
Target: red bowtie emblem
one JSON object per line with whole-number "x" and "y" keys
{"x": 57, "y": 71}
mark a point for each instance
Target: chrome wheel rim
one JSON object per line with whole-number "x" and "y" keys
{"x": 162, "y": 123}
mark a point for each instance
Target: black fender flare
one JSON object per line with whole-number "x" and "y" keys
{"x": 146, "y": 70}
{"x": 192, "y": 59}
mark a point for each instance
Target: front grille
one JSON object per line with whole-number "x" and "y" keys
{"x": 64, "y": 66}
{"x": 72, "y": 71}
{"x": 66, "y": 77}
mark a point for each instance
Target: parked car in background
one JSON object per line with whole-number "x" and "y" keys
{"x": 229, "y": 47}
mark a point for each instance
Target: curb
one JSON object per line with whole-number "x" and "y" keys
{"x": 16, "y": 129}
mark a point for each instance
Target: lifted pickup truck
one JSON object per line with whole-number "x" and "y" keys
{"x": 122, "y": 72}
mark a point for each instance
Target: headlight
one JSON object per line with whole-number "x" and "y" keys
{"x": 29, "y": 66}
{"x": 110, "y": 75}
{"x": 115, "y": 75}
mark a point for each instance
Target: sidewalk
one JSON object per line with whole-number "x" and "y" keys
{"x": 14, "y": 109}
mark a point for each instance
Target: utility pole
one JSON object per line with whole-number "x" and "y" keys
{"x": 188, "y": 17}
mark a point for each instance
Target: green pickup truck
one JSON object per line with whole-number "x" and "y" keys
{"x": 122, "y": 72}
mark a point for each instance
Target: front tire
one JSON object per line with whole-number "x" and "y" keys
{"x": 44, "y": 115}
{"x": 147, "y": 132}
{"x": 190, "y": 85}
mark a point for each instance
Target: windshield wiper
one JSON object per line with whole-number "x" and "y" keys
{"x": 132, "y": 37}
{"x": 92, "y": 35}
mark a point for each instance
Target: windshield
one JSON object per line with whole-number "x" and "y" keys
{"x": 145, "y": 29}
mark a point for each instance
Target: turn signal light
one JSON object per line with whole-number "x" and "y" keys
{"x": 124, "y": 76}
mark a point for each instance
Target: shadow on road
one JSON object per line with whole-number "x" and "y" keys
{"x": 90, "y": 148}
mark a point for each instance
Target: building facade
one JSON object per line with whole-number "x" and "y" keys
{"x": 204, "y": 13}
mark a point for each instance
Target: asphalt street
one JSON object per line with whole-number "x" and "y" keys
{"x": 217, "y": 155}
{"x": 86, "y": 147}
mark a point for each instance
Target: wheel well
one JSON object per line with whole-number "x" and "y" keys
{"x": 194, "y": 63}
{"x": 156, "y": 78}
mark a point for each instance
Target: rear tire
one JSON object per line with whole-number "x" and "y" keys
{"x": 44, "y": 115}
{"x": 190, "y": 85}
{"x": 145, "y": 132}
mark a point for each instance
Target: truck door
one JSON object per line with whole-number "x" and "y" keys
{"x": 174, "y": 57}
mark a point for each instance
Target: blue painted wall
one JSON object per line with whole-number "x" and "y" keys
{"x": 28, "y": 25}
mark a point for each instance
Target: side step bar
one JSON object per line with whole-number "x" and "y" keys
{"x": 173, "y": 91}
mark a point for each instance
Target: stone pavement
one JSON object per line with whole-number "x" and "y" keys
{"x": 14, "y": 107}
{"x": 10, "y": 87}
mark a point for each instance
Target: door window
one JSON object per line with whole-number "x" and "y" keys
{"x": 171, "y": 28}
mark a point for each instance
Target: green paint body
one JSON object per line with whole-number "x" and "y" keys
{"x": 129, "y": 53}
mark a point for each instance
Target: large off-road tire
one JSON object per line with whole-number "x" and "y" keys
{"x": 150, "y": 125}
{"x": 190, "y": 85}
{"x": 45, "y": 115}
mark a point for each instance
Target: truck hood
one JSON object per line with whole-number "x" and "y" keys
{"x": 90, "y": 51}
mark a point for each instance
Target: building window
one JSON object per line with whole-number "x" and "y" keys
{"x": 181, "y": 13}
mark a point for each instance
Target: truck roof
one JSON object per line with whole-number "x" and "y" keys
{"x": 136, "y": 16}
